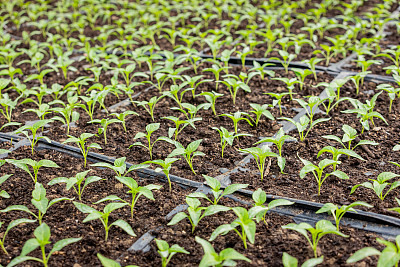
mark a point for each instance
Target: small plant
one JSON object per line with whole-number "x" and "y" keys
{"x": 389, "y": 256}
{"x": 227, "y": 137}
{"x": 174, "y": 131}
{"x": 392, "y": 93}
{"x": 278, "y": 100}
{"x": 290, "y": 261}
{"x": 165, "y": 167}
{"x": 119, "y": 166}
{"x": 336, "y": 153}
{"x": 39, "y": 201}
{"x": 301, "y": 75}
{"x": 166, "y": 252}
{"x": 122, "y": 116}
{"x": 260, "y": 155}
{"x": 25, "y": 163}
{"x": 289, "y": 83}
{"x": 196, "y": 212}
{"x": 135, "y": 190}
{"x": 211, "y": 97}
{"x": 260, "y": 197}
{"x": 234, "y": 86}
{"x": 311, "y": 63}
{"x": 8, "y": 106}
{"x": 76, "y": 182}
{"x": 69, "y": 115}
{"x": 318, "y": 171}
{"x": 226, "y": 257}
{"x": 188, "y": 153}
{"x": 260, "y": 110}
{"x": 42, "y": 238}
{"x": 104, "y": 125}
{"x": 104, "y": 216}
{"x": 33, "y": 136}
{"x": 150, "y": 128}
{"x": 338, "y": 213}
{"x": 81, "y": 142}
{"x": 322, "y": 228}
{"x": 150, "y": 105}
{"x": 216, "y": 190}
{"x": 236, "y": 117}
{"x": 303, "y": 124}
{"x": 380, "y": 184}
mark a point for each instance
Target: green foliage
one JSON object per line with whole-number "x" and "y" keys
{"x": 166, "y": 252}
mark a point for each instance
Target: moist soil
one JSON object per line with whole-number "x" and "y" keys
{"x": 65, "y": 221}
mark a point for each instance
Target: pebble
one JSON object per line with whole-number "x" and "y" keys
{"x": 376, "y": 129}
{"x": 276, "y": 127}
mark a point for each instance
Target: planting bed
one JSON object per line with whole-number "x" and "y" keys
{"x": 90, "y": 70}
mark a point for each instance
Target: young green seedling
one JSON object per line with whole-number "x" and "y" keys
{"x": 260, "y": 69}
{"x": 260, "y": 110}
{"x": 25, "y": 163}
{"x": 322, "y": 228}
{"x": 380, "y": 184}
{"x": 318, "y": 171}
{"x": 211, "y": 97}
{"x": 8, "y": 105}
{"x": 11, "y": 225}
{"x": 39, "y": 201}
{"x": 226, "y": 257}
{"x": 216, "y": 190}
{"x": 175, "y": 94}
{"x": 119, "y": 166}
{"x": 336, "y": 153}
{"x": 166, "y": 252}
{"x": 194, "y": 82}
{"x": 104, "y": 125}
{"x": 165, "y": 167}
{"x": 311, "y": 63}
{"x": 290, "y": 261}
{"x": 260, "y": 155}
{"x": 76, "y": 182}
{"x": 301, "y": 75}
{"x": 104, "y": 216}
{"x": 216, "y": 70}
{"x": 350, "y": 134}
{"x": 33, "y": 136}
{"x": 286, "y": 59}
{"x": 135, "y": 190}
{"x": 358, "y": 80}
{"x": 392, "y": 93}
{"x": 42, "y": 238}
{"x": 389, "y": 256}
{"x": 68, "y": 113}
{"x": 236, "y": 117}
{"x": 260, "y": 197}
{"x": 289, "y": 83}
{"x": 122, "y": 116}
{"x": 81, "y": 142}
{"x": 234, "y": 86}
{"x": 178, "y": 122}
{"x": 3, "y": 178}
{"x": 150, "y": 128}
{"x": 196, "y": 212}
{"x": 303, "y": 124}
{"x": 188, "y": 153}
{"x": 278, "y": 100}
{"x": 338, "y": 213}
{"x": 227, "y": 137}
{"x": 150, "y": 105}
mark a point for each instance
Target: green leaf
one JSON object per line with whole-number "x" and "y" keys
{"x": 177, "y": 218}
{"x": 363, "y": 253}
{"x": 124, "y": 226}
{"x": 313, "y": 262}
{"x": 288, "y": 260}
{"x": 107, "y": 262}
{"x": 21, "y": 259}
{"x": 59, "y": 245}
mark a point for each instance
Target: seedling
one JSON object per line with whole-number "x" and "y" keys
{"x": 336, "y": 153}
{"x": 260, "y": 69}
{"x": 286, "y": 59}
{"x": 211, "y": 97}
{"x": 380, "y": 184}
{"x": 81, "y": 142}
{"x": 311, "y": 63}
{"x": 104, "y": 125}
{"x": 226, "y": 257}
{"x": 289, "y": 261}
{"x": 178, "y": 122}
{"x": 150, "y": 105}
{"x": 303, "y": 124}
{"x": 188, "y": 153}
{"x": 322, "y": 228}
{"x": 227, "y": 138}
{"x": 39, "y": 201}
{"x": 278, "y": 100}
{"x": 260, "y": 197}
{"x": 301, "y": 75}
{"x": 175, "y": 94}
{"x": 338, "y": 213}
{"x": 234, "y": 86}
{"x": 76, "y": 181}
{"x": 122, "y": 116}
{"x": 318, "y": 171}
{"x": 25, "y": 163}
{"x": 196, "y": 212}
{"x": 165, "y": 167}
{"x": 392, "y": 93}
{"x": 119, "y": 166}
{"x": 216, "y": 190}
{"x": 260, "y": 110}
{"x": 389, "y": 256}
{"x": 68, "y": 113}
{"x": 104, "y": 216}
{"x": 236, "y": 117}
{"x": 289, "y": 83}
{"x": 166, "y": 252}
{"x": 8, "y": 106}
{"x": 150, "y": 128}
{"x": 42, "y": 238}
{"x": 33, "y": 137}
{"x": 260, "y": 155}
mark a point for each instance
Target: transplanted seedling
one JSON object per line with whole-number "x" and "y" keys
{"x": 166, "y": 252}
{"x": 39, "y": 200}
{"x": 33, "y": 136}
{"x": 303, "y": 124}
{"x": 42, "y": 238}
{"x": 81, "y": 142}
{"x": 165, "y": 167}
{"x": 119, "y": 166}
{"x": 25, "y": 163}
{"x": 216, "y": 190}
{"x": 211, "y": 97}
{"x": 260, "y": 110}
{"x": 380, "y": 184}
{"x": 322, "y": 228}
{"x": 236, "y": 117}
{"x": 104, "y": 125}
{"x": 388, "y": 257}
{"x": 188, "y": 153}
{"x": 336, "y": 153}
{"x": 260, "y": 155}
{"x": 290, "y": 261}
{"x": 318, "y": 171}
{"x": 76, "y": 181}
{"x": 135, "y": 191}
{"x": 227, "y": 137}
{"x": 338, "y": 213}
{"x": 150, "y": 128}
{"x": 196, "y": 212}
{"x": 260, "y": 197}
{"x": 226, "y": 257}
{"x": 104, "y": 216}
{"x": 122, "y": 116}
{"x": 150, "y": 105}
